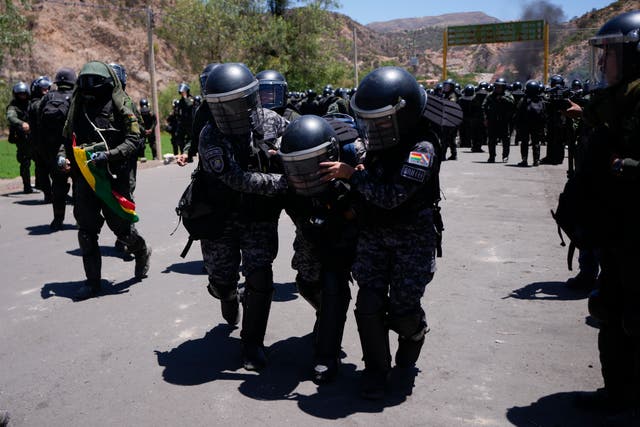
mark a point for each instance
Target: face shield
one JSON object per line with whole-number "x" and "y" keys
{"x": 237, "y": 112}
{"x": 301, "y": 167}
{"x": 272, "y": 94}
{"x": 378, "y": 128}
{"x": 607, "y": 58}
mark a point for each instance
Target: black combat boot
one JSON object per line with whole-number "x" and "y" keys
{"x": 229, "y": 301}
{"x": 142, "y": 257}
{"x": 256, "y": 303}
{"x": 374, "y": 339}
{"x": 89, "y": 289}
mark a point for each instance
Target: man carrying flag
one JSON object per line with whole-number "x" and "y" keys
{"x": 101, "y": 137}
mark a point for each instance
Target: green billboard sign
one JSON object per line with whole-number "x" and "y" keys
{"x": 505, "y": 32}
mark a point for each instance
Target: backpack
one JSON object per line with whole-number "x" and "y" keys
{"x": 197, "y": 213}
{"x": 53, "y": 113}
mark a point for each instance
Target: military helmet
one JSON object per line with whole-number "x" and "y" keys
{"x": 483, "y": 86}
{"x": 95, "y": 77}
{"x": 204, "y": 74}
{"x": 65, "y": 77}
{"x": 306, "y": 142}
{"x": 328, "y": 90}
{"x": 20, "y": 87}
{"x": 232, "y": 96}
{"x": 144, "y": 102}
{"x": 500, "y": 82}
{"x": 121, "y": 72}
{"x": 556, "y": 80}
{"x": 272, "y": 89}
{"x": 615, "y": 50}
{"x": 532, "y": 88}
{"x": 388, "y": 104}
{"x": 184, "y": 87}
{"x": 469, "y": 91}
{"x": 39, "y": 84}
{"x": 448, "y": 85}
{"x": 516, "y": 86}
{"x": 175, "y": 102}
{"x": 576, "y": 85}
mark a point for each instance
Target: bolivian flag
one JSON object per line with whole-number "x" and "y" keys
{"x": 98, "y": 180}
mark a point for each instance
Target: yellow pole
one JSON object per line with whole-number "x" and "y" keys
{"x": 546, "y": 52}
{"x": 444, "y": 53}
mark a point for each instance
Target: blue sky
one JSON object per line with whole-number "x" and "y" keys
{"x": 367, "y": 11}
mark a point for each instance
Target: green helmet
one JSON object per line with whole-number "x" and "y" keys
{"x": 95, "y": 76}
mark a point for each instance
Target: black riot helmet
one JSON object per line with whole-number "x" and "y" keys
{"x": 448, "y": 86}
{"x": 576, "y": 85}
{"x": 532, "y": 88}
{"x": 121, "y": 72}
{"x": 615, "y": 50}
{"x": 65, "y": 77}
{"x": 204, "y": 74}
{"x": 19, "y": 88}
{"x": 306, "y": 142}
{"x": 273, "y": 89}
{"x": 469, "y": 91}
{"x": 197, "y": 100}
{"x": 483, "y": 86}
{"x": 232, "y": 96}
{"x": 184, "y": 87}
{"x": 39, "y": 85}
{"x": 144, "y": 102}
{"x": 516, "y": 86}
{"x": 500, "y": 86}
{"x": 387, "y": 105}
{"x": 556, "y": 80}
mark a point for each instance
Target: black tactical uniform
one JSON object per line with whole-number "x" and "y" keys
{"x": 472, "y": 129}
{"x": 448, "y": 134}
{"x": 530, "y": 121}
{"x": 498, "y": 108}
{"x": 149, "y": 123}
{"x": 235, "y": 155}
{"x": 99, "y": 109}
{"x": 559, "y": 126}
{"x": 52, "y": 114}
{"x": 184, "y": 118}
{"x": 39, "y": 87}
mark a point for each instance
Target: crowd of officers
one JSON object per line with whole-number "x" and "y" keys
{"x": 358, "y": 173}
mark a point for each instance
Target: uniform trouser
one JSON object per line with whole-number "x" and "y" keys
{"x": 59, "y": 189}
{"x": 326, "y": 286}
{"x": 533, "y": 135}
{"x": 43, "y": 182}
{"x": 449, "y": 140}
{"x": 174, "y": 144}
{"x": 392, "y": 271}
{"x": 619, "y": 336}
{"x": 255, "y": 245}
{"x": 23, "y": 156}
{"x": 557, "y": 137}
{"x": 151, "y": 141}
{"x": 183, "y": 136}
{"x": 498, "y": 132}
{"x": 90, "y": 214}
{"x": 588, "y": 262}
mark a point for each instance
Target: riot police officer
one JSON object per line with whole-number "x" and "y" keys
{"x": 19, "y": 129}
{"x": 559, "y": 126}
{"x": 39, "y": 88}
{"x": 530, "y": 121}
{"x": 397, "y": 241}
{"x": 472, "y": 129}
{"x": 101, "y": 122}
{"x": 273, "y": 94}
{"x": 149, "y": 122}
{"x": 498, "y": 108}
{"x": 184, "y": 117}
{"x": 236, "y": 154}
{"x": 326, "y": 233}
{"x": 448, "y": 134}
{"x": 613, "y": 163}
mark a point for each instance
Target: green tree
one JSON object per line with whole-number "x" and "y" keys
{"x": 14, "y": 34}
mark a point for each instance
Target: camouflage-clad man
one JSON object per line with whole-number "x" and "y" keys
{"x": 19, "y": 129}
{"x": 235, "y": 154}
{"x": 39, "y": 88}
{"x": 498, "y": 108}
{"x": 99, "y": 110}
{"x": 398, "y": 191}
{"x": 149, "y": 122}
{"x": 184, "y": 118}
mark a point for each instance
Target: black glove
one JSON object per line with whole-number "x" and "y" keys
{"x": 99, "y": 158}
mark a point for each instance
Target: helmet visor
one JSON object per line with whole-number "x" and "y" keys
{"x": 272, "y": 95}
{"x": 301, "y": 167}
{"x": 606, "y": 60}
{"x": 378, "y": 128}
{"x": 237, "y": 112}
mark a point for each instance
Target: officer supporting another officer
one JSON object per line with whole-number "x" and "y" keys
{"x": 99, "y": 110}
{"x": 326, "y": 234}
{"x": 236, "y": 154}
{"x": 396, "y": 249}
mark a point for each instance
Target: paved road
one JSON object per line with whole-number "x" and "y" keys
{"x": 509, "y": 345}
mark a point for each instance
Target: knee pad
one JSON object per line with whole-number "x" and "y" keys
{"x": 88, "y": 243}
{"x": 411, "y": 327}
{"x": 310, "y": 291}
{"x": 370, "y": 301}
{"x": 260, "y": 280}
{"x": 222, "y": 292}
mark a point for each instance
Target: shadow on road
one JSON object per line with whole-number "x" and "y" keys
{"x": 189, "y": 267}
{"x": 69, "y": 289}
{"x": 285, "y": 292}
{"x": 547, "y": 291}
{"x": 40, "y": 230}
{"x": 560, "y": 409}
{"x": 31, "y": 202}
{"x": 109, "y": 251}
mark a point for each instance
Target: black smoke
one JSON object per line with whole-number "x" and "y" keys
{"x": 527, "y": 57}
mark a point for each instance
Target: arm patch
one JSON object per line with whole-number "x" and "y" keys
{"x": 413, "y": 173}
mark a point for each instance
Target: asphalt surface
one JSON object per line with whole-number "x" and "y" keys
{"x": 509, "y": 344}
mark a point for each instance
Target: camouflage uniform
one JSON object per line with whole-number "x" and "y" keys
{"x": 17, "y": 114}
{"x": 148, "y": 126}
{"x": 249, "y": 222}
{"x": 184, "y": 121}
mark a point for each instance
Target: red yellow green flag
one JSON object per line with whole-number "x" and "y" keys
{"x": 98, "y": 180}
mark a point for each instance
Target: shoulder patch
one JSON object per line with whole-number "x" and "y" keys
{"x": 413, "y": 173}
{"x": 419, "y": 158}
{"x": 215, "y": 157}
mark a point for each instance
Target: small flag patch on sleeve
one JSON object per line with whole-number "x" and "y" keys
{"x": 419, "y": 158}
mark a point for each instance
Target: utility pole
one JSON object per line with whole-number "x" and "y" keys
{"x": 355, "y": 55}
{"x": 152, "y": 75}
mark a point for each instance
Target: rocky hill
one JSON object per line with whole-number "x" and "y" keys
{"x": 448, "y": 19}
